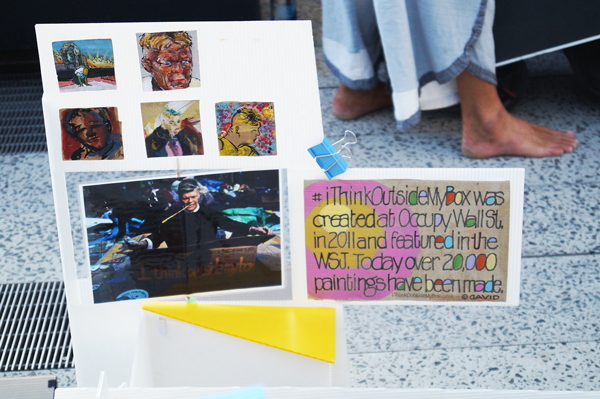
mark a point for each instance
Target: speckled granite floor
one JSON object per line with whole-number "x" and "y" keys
{"x": 550, "y": 342}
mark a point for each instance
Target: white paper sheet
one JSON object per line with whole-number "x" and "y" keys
{"x": 175, "y": 356}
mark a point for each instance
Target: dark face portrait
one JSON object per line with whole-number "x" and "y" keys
{"x": 91, "y": 134}
{"x": 171, "y": 68}
{"x": 91, "y": 130}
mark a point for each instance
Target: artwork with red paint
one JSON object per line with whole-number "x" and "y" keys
{"x": 84, "y": 65}
{"x": 246, "y": 128}
{"x": 172, "y": 129}
{"x": 91, "y": 134}
{"x": 169, "y": 60}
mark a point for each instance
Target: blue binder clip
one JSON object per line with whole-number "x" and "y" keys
{"x": 329, "y": 159}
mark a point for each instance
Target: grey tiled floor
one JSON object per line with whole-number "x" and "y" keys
{"x": 550, "y": 342}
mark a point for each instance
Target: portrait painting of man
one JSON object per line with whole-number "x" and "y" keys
{"x": 246, "y": 128}
{"x": 84, "y": 65}
{"x": 169, "y": 60}
{"x": 172, "y": 129}
{"x": 91, "y": 134}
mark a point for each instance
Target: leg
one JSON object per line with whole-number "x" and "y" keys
{"x": 353, "y": 52}
{"x": 489, "y": 130}
{"x": 351, "y": 104}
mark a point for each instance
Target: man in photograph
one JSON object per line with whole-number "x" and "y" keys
{"x": 92, "y": 128}
{"x": 167, "y": 56}
{"x": 195, "y": 223}
{"x": 243, "y": 132}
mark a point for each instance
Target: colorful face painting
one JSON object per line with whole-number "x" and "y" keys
{"x": 84, "y": 65}
{"x": 246, "y": 128}
{"x": 91, "y": 134}
{"x": 169, "y": 60}
{"x": 142, "y": 244}
{"x": 172, "y": 129}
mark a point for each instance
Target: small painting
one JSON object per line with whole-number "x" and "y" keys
{"x": 169, "y": 60}
{"x": 172, "y": 129}
{"x": 246, "y": 128}
{"x": 91, "y": 134}
{"x": 84, "y": 65}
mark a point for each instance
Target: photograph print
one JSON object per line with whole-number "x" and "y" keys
{"x": 180, "y": 236}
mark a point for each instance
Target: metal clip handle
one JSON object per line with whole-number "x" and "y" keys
{"x": 344, "y": 147}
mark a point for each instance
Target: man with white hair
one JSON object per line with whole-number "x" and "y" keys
{"x": 195, "y": 223}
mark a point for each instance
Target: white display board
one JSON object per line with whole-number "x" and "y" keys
{"x": 267, "y": 63}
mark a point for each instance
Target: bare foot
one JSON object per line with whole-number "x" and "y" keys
{"x": 508, "y": 135}
{"x": 489, "y": 130}
{"x": 351, "y": 104}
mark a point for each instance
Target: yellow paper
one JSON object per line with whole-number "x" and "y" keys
{"x": 306, "y": 331}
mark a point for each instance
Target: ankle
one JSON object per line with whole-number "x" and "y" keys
{"x": 485, "y": 121}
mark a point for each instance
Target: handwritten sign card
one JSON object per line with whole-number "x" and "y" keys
{"x": 407, "y": 239}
